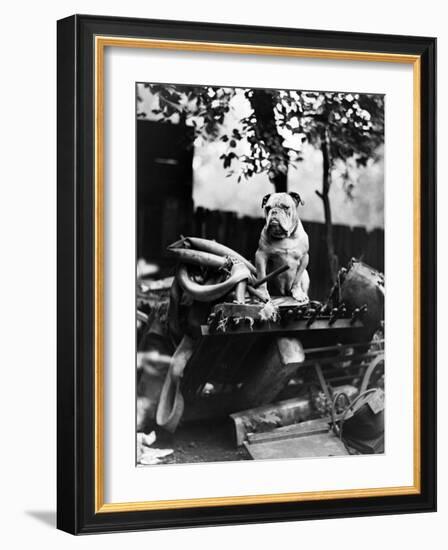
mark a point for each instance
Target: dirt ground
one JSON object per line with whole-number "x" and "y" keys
{"x": 201, "y": 442}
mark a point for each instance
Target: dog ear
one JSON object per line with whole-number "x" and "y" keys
{"x": 297, "y": 198}
{"x": 265, "y": 200}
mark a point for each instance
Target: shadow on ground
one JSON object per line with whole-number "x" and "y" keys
{"x": 48, "y": 517}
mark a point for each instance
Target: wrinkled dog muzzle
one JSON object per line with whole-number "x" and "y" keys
{"x": 278, "y": 223}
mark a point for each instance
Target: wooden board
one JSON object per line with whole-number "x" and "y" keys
{"x": 299, "y": 327}
{"x": 324, "y": 444}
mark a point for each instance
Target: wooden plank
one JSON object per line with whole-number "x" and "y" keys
{"x": 293, "y": 327}
{"x": 286, "y": 412}
{"x": 311, "y": 446}
{"x": 302, "y": 429}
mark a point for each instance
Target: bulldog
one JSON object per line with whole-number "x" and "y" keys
{"x": 283, "y": 241}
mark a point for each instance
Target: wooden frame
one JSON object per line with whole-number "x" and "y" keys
{"x": 81, "y": 44}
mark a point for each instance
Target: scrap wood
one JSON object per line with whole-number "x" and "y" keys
{"x": 321, "y": 444}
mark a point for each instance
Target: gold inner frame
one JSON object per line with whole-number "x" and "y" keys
{"x": 101, "y": 42}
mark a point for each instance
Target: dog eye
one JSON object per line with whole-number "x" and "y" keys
{"x": 268, "y": 208}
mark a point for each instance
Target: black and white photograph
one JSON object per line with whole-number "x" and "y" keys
{"x": 260, "y": 273}
{"x": 221, "y": 316}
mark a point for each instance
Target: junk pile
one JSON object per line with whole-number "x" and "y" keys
{"x": 223, "y": 348}
{"x": 279, "y": 430}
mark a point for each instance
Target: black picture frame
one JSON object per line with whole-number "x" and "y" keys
{"x": 76, "y": 511}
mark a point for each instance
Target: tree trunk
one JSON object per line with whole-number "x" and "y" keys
{"x": 333, "y": 262}
{"x": 263, "y": 105}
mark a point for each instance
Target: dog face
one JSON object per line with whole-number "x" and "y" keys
{"x": 281, "y": 213}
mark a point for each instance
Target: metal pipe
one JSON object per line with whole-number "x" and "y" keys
{"x": 270, "y": 275}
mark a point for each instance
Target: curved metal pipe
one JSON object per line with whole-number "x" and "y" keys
{"x": 209, "y": 293}
{"x": 197, "y": 257}
{"x": 213, "y": 247}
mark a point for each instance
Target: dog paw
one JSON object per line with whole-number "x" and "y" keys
{"x": 263, "y": 290}
{"x": 299, "y": 296}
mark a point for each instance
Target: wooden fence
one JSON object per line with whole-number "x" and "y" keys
{"x": 242, "y": 234}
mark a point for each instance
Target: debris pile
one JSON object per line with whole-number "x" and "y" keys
{"x": 146, "y": 454}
